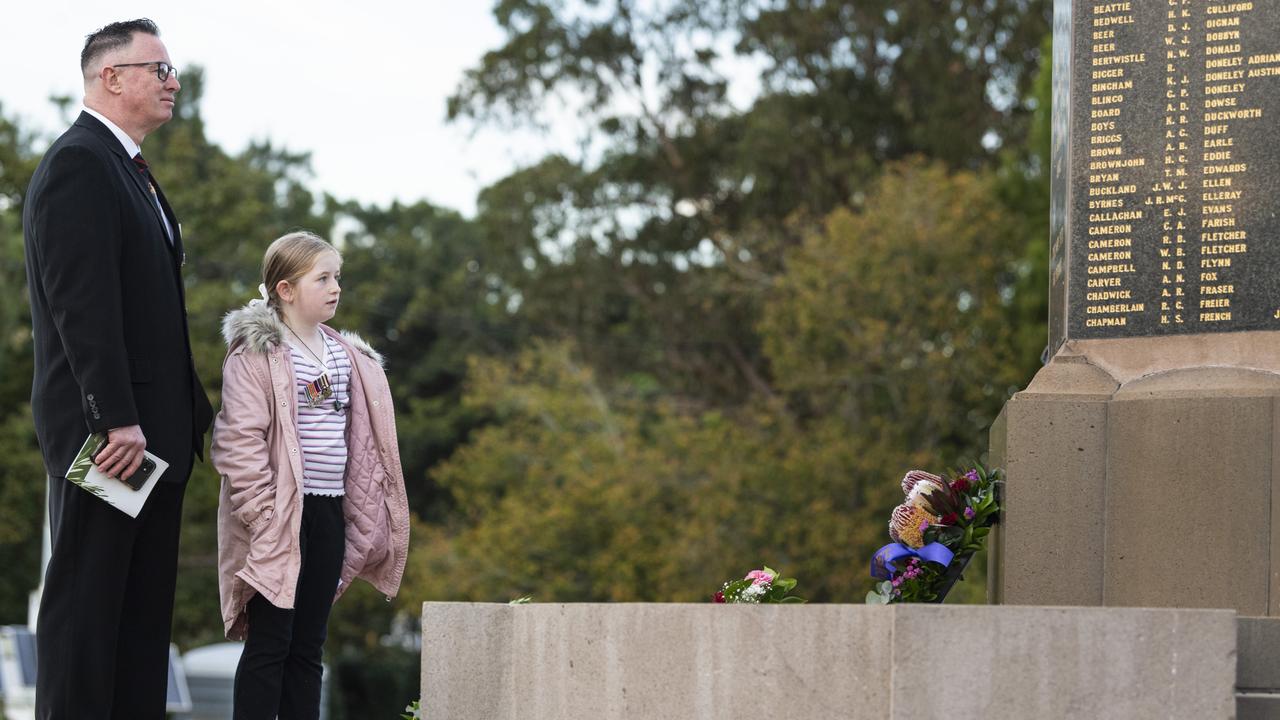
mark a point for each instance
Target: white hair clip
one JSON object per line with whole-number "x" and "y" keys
{"x": 262, "y": 290}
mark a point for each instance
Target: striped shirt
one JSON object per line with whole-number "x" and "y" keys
{"x": 322, "y": 429}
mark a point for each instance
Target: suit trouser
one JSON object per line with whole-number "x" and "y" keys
{"x": 280, "y": 669}
{"x": 102, "y": 641}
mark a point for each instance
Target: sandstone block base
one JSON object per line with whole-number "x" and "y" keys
{"x": 1139, "y": 484}
{"x": 824, "y": 662}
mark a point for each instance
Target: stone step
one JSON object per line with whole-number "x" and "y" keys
{"x": 1257, "y": 706}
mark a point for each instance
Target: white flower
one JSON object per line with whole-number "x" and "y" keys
{"x": 754, "y": 592}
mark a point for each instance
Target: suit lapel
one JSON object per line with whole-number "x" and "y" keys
{"x": 138, "y": 180}
{"x": 176, "y": 246}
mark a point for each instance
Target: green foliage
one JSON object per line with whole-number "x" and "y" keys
{"x": 22, "y": 494}
{"x": 654, "y": 249}
{"x": 425, "y": 295}
{"x": 552, "y": 478}
{"x": 1023, "y": 186}
{"x": 579, "y": 496}
{"x": 22, "y": 476}
{"x": 372, "y": 683}
{"x": 888, "y": 337}
{"x": 896, "y": 319}
{"x": 763, "y": 316}
{"x": 846, "y": 86}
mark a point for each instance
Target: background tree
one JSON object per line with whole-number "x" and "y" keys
{"x": 891, "y": 336}
{"x": 677, "y": 215}
{"x": 843, "y": 275}
{"x": 22, "y": 477}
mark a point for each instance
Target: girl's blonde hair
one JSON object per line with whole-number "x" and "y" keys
{"x": 289, "y": 258}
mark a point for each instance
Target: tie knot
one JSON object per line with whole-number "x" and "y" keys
{"x": 140, "y": 162}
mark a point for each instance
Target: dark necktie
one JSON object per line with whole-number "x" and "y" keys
{"x": 145, "y": 168}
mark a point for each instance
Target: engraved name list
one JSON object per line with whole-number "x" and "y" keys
{"x": 1175, "y": 167}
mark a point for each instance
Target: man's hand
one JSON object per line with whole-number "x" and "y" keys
{"x": 122, "y": 455}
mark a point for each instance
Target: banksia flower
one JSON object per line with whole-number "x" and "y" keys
{"x": 933, "y": 494}
{"x": 915, "y": 476}
{"x": 908, "y": 523}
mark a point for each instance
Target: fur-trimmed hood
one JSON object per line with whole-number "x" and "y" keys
{"x": 259, "y": 328}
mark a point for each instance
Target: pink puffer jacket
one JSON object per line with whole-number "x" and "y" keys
{"x": 256, "y": 451}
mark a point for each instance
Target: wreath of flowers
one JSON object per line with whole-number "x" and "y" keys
{"x": 935, "y": 533}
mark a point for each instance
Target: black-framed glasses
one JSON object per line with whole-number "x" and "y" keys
{"x": 163, "y": 69}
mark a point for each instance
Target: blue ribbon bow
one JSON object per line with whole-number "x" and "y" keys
{"x": 882, "y": 563}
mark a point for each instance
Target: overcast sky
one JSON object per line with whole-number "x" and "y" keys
{"x": 361, "y": 84}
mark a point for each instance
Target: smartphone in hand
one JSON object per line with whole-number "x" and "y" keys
{"x": 139, "y": 476}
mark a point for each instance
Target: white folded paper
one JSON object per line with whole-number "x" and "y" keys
{"x": 112, "y": 491}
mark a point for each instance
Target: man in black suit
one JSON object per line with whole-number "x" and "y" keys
{"x": 112, "y": 355}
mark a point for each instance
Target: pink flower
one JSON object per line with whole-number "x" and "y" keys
{"x": 759, "y": 577}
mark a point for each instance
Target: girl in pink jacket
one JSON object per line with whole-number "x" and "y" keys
{"x": 312, "y": 490}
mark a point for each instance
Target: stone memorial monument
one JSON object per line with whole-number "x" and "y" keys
{"x": 1143, "y": 460}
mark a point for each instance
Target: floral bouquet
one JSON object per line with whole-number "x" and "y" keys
{"x": 935, "y": 533}
{"x": 759, "y": 586}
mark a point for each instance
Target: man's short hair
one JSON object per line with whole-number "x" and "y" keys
{"x": 115, "y": 35}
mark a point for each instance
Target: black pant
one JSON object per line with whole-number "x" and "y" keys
{"x": 102, "y": 641}
{"x": 280, "y": 670}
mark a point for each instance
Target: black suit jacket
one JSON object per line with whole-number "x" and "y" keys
{"x": 108, "y": 312}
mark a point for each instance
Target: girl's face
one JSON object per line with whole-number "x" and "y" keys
{"x": 314, "y": 297}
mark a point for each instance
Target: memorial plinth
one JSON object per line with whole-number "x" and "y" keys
{"x": 827, "y": 662}
{"x": 1142, "y": 461}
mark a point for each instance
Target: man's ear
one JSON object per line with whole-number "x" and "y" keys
{"x": 110, "y": 78}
